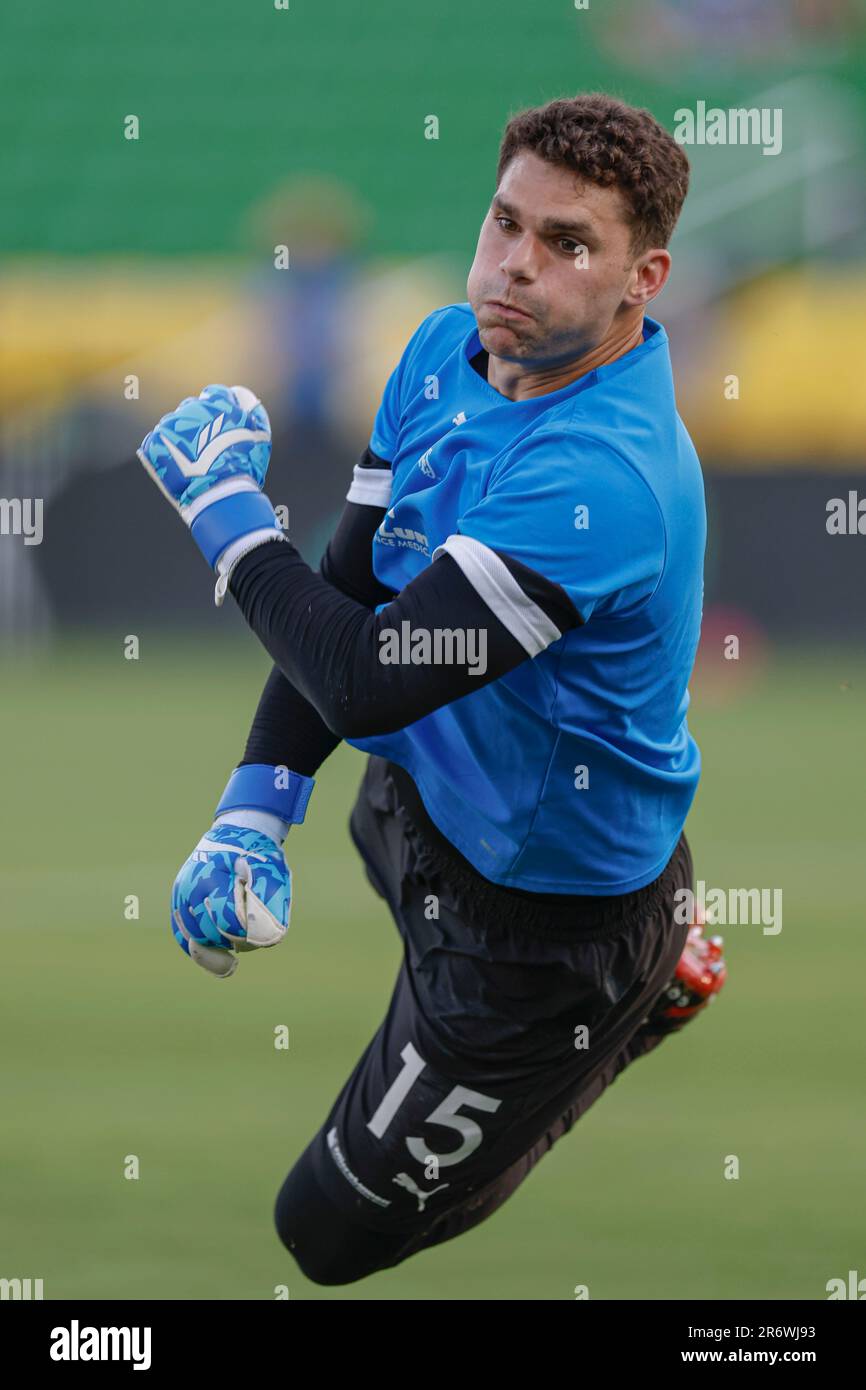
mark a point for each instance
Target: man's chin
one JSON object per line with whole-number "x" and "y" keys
{"x": 503, "y": 340}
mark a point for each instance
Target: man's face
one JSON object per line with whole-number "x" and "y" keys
{"x": 528, "y": 255}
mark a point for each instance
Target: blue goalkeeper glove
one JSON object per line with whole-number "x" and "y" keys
{"x": 209, "y": 457}
{"x": 234, "y": 892}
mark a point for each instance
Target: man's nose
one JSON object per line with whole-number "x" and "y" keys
{"x": 522, "y": 259}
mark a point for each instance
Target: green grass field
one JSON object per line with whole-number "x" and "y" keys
{"x": 115, "y": 1044}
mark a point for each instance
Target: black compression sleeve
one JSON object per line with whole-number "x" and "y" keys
{"x": 348, "y": 560}
{"x": 329, "y": 647}
{"x": 287, "y": 731}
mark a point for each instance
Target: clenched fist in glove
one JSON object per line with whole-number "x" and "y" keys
{"x": 209, "y": 457}
{"x": 234, "y": 892}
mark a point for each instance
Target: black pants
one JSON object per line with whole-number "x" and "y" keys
{"x": 495, "y": 1042}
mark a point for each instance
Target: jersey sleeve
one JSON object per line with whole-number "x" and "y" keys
{"x": 386, "y": 426}
{"x": 564, "y": 518}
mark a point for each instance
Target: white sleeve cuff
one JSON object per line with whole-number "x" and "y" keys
{"x": 370, "y": 486}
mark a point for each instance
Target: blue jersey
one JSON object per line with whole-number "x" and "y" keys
{"x": 574, "y": 772}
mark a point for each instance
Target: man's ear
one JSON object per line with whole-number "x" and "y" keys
{"x": 648, "y": 277}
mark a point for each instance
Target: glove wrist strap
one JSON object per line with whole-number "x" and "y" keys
{"x": 263, "y": 787}
{"x": 224, "y": 521}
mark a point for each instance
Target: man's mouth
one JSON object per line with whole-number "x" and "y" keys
{"x": 507, "y": 310}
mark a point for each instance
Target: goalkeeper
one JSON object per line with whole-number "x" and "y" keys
{"x": 530, "y": 491}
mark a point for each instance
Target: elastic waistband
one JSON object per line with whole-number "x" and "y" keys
{"x": 561, "y": 916}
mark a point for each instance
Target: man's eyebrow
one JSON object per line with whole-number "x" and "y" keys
{"x": 548, "y": 225}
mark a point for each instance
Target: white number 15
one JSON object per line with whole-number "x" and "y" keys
{"x": 444, "y": 1114}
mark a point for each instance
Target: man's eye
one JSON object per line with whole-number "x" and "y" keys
{"x": 501, "y": 219}
{"x": 568, "y": 245}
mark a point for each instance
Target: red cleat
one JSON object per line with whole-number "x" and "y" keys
{"x": 700, "y": 974}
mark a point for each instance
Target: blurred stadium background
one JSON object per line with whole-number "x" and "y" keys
{"x": 136, "y": 271}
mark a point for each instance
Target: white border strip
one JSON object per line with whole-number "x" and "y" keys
{"x": 370, "y": 486}
{"x": 492, "y": 580}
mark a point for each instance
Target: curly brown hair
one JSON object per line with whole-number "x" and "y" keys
{"x": 609, "y": 143}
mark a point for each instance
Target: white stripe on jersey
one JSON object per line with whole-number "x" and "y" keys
{"x": 492, "y": 580}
